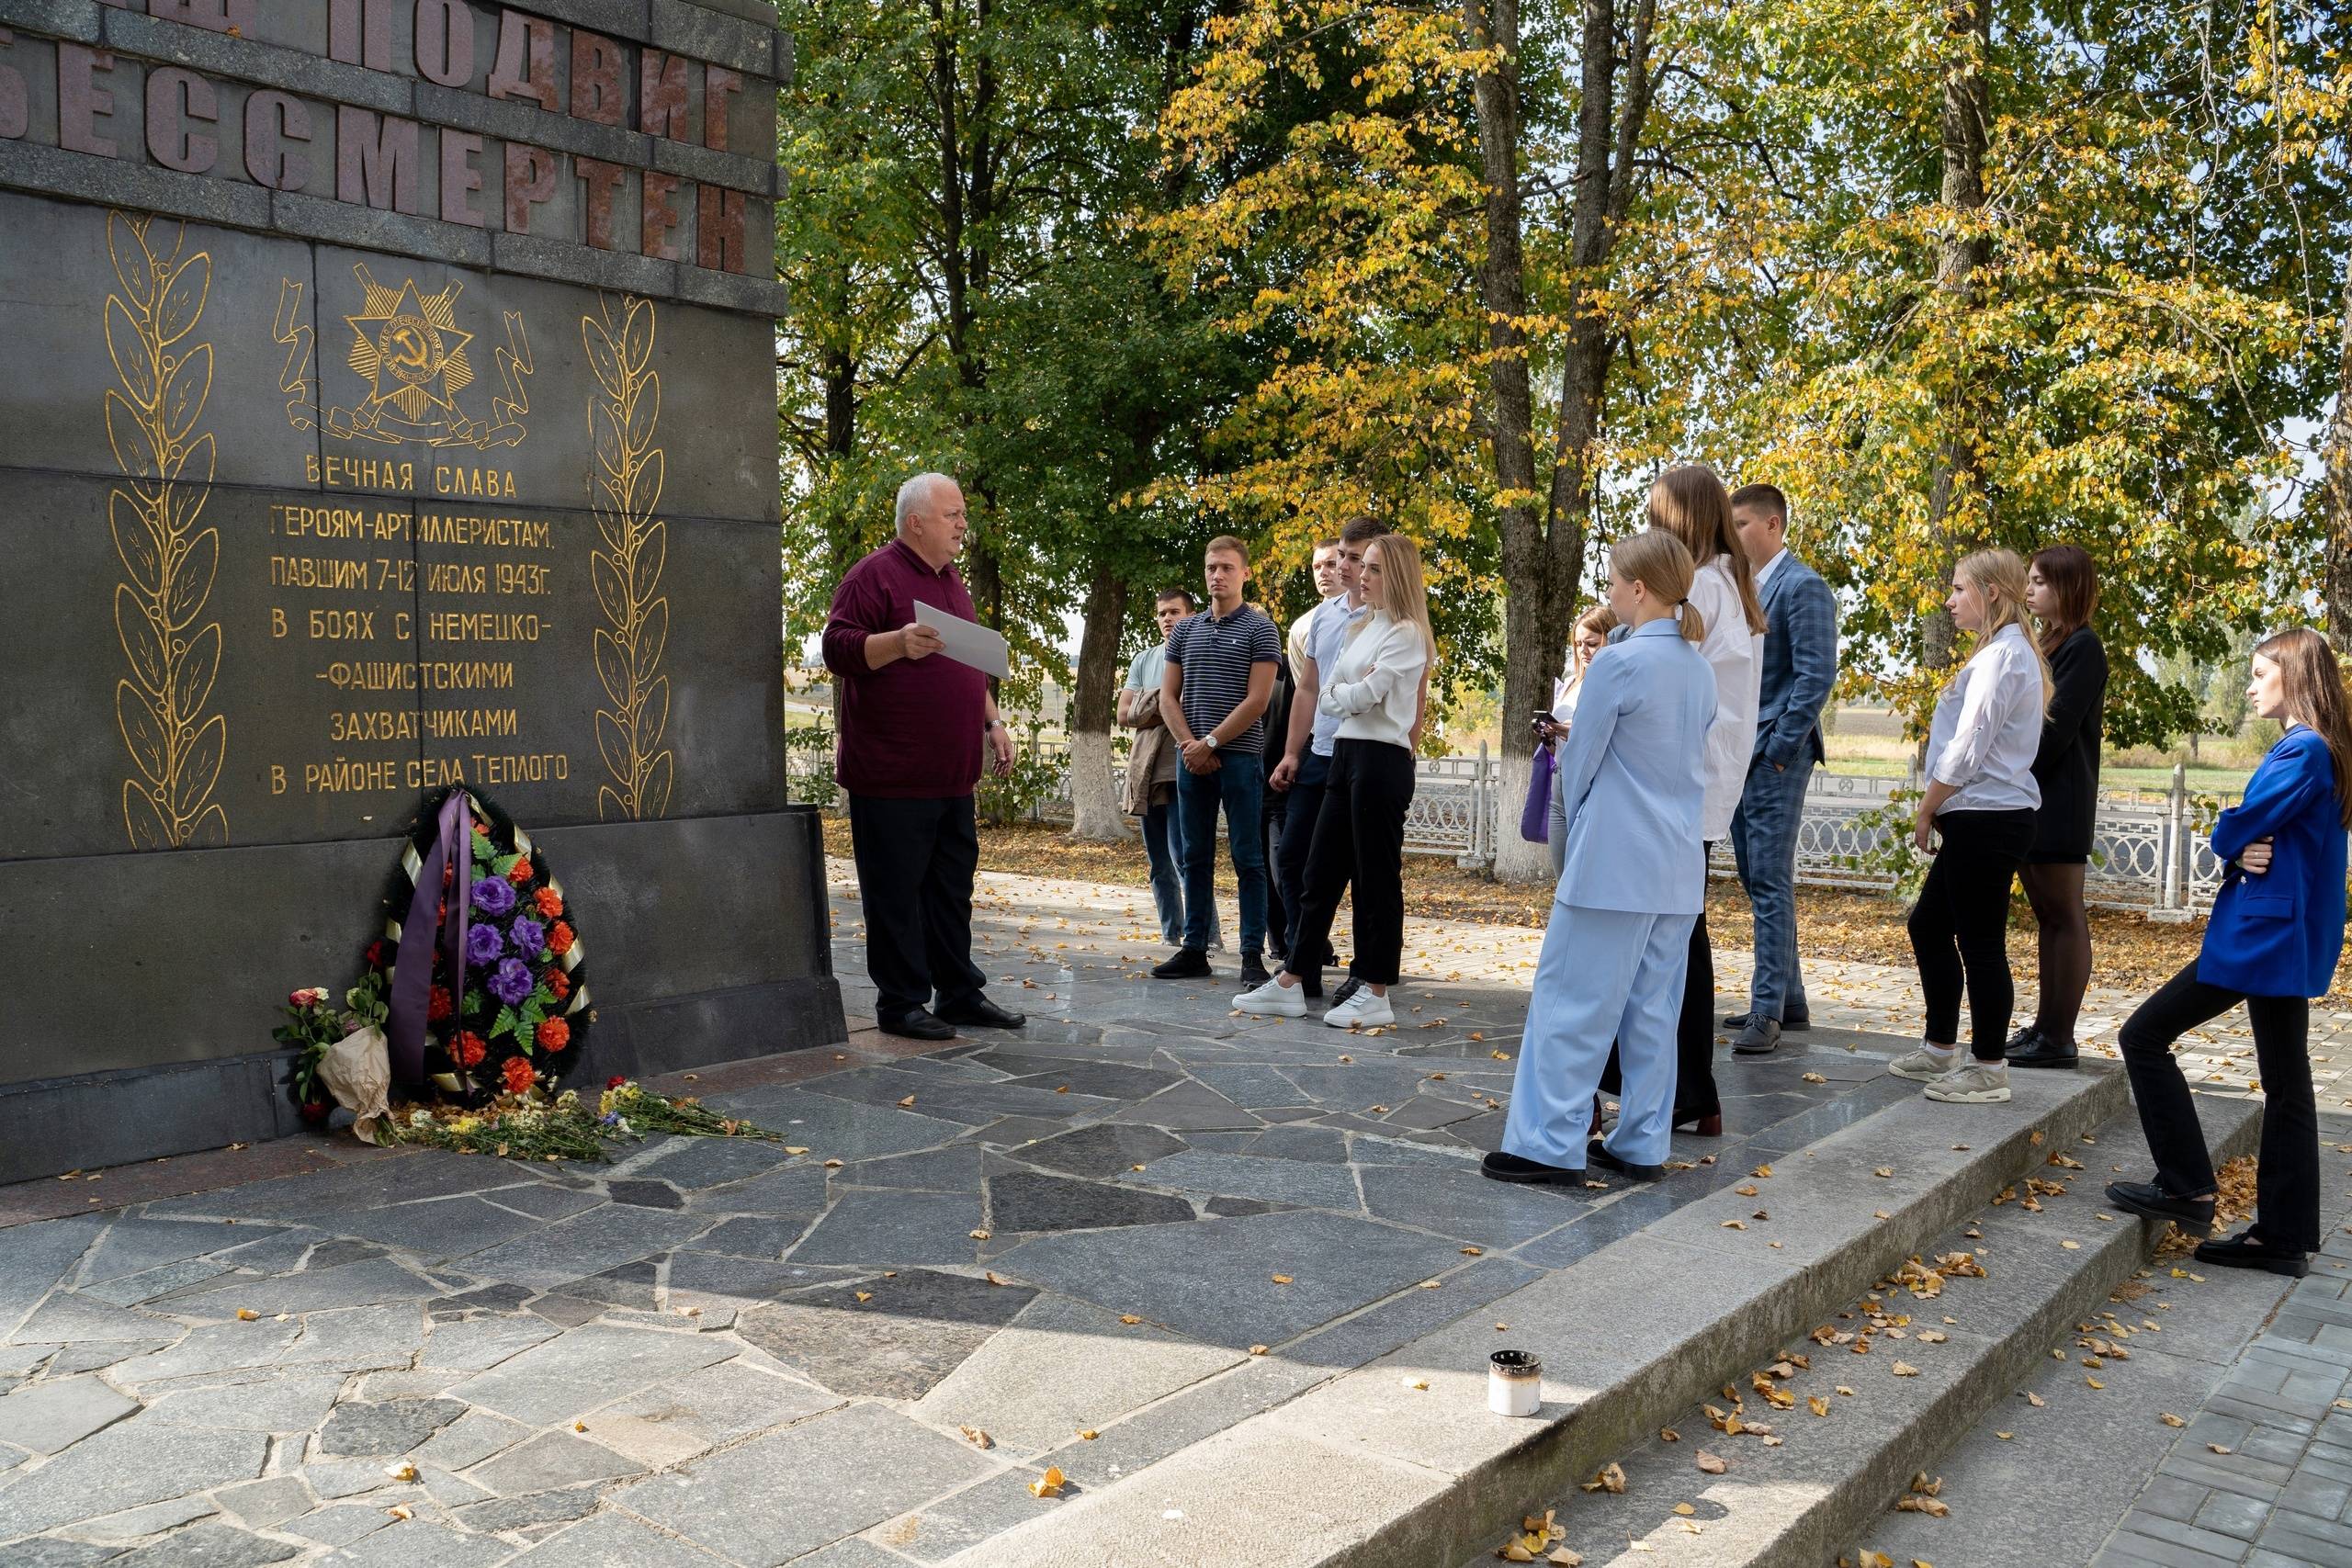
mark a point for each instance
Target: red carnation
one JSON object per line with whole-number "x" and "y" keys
{"x": 469, "y": 1049}
{"x": 481, "y": 830}
{"x": 615, "y": 1082}
{"x": 315, "y": 1110}
{"x": 437, "y": 1005}
{"x": 553, "y": 1033}
{"x": 520, "y": 1075}
{"x": 559, "y": 938}
{"x": 559, "y": 984}
{"x": 521, "y": 873}
{"x": 550, "y": 901}
{"x": 375, "y": 955}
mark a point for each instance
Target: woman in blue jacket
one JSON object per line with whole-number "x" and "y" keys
{"x": 1633, "y": 784}
{"x": 2272, "y": 941}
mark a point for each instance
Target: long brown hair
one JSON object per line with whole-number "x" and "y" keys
{"x": 1998, "y": 577}
{"x": 2074, "y": 583}
{"x": 1660, "y": 562}
{"x": 1690, "y": 503}
{"x": 2315, "y": 685}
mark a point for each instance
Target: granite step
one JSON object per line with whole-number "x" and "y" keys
{"x": 1399, "y": 1463}
{"x": 1827, "y": 1489}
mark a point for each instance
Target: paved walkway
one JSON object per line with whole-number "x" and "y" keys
{"x": 1086, "y": 1247}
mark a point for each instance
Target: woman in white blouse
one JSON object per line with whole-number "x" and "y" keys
{"x": 1690, "y": 503}
{"x": 1981, "y": 798}
{"x": 1374, "y": 689}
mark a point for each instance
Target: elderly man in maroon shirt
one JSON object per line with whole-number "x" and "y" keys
{"x": 912, "y": 729}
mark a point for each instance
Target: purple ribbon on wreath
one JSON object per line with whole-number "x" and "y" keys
{"x": 413, "y": 968}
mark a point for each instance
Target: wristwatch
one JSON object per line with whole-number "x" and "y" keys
{"x": 1210, "y": 742}
{"x": 986, "y": 724}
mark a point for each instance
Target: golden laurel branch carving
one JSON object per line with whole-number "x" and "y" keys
{"x": 167, "y": 561}
{"x": 625, "y": 487}
{"x": 407, "y": 347}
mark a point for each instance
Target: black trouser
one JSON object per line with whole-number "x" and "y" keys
{"x": 2287, "y": 1184}
{"x": 915, "y": 860}
{"x": 1694, "y": 1035}
{"x": 1359, "y": 831}
{"x": 1303, "y": 804}
{"x": 1960, "y": 926}
{"x": 1271, "y": 817}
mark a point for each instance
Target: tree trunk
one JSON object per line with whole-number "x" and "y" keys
{"x": 1542, "y": 550}
{"x": 1094, "y": 800}
{"x": 2336, "y": 499}
{"x": 1955, "y": 497}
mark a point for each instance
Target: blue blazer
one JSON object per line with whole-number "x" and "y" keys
{"x": 2281, "y": 933}
{"x": 1800, "y": 663}
{"x": 1632, "y": 778}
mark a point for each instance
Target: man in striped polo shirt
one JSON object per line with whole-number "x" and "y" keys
{"x": 1220, "y": 673}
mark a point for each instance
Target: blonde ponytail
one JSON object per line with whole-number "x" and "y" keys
{"x": 1661, "y": 563}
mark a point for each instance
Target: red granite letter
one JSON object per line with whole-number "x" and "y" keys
{"x": 718, "y": 229}
{"x": 530, "y": 182}
{"x": 603, "y": 181}
{"x": 655, "y": 239}
{"x": 460, "y": 178}
{"x": 662, "y": 96}
{"x": 80, "y": 99}
{"x": 175, "y": 97}
{"x": 445, "y": 41}
{"x": 526, "y": 67}
{"x": 596, "y": 92}
{"x": 359, "y": 33}
{"x": 374, "y": 159}
{"x": 272, "y": 119}
{"x": 718, "y": 85}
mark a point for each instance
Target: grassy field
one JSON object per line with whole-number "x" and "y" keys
{"x": 1870, "y": 742}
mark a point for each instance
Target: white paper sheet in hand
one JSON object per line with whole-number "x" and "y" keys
{"x": 966, "y": 642}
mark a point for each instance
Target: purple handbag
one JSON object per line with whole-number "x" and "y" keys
{"x": 1535, "y": 817}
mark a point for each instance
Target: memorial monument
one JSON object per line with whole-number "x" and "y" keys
{"x": 389, "y": 403}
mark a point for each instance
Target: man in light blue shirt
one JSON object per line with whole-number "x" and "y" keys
{"x": 1164, "y": 829}
{"x": 1314, "y": 644}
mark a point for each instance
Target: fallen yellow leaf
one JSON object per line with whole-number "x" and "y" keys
{"x": 1712, "y": 1464}
{"x": 2169, "y": 1419}
{"x": 1906, "y": 1370}
{"x": 1611, "y": 1480}
{"x": 1685, "y": 1509}
{"x": 906, "y": 1103}
{"x": 1256, "y": 1349}
{"x": 1281, "y": 1279}
{"x": 1129, "y": 1317}
{"x": 246, "y": 1315}
{"x": 1049, "y": 1485}
{"x": 980, "y": 1236}
{"x": 976, "y": 1437}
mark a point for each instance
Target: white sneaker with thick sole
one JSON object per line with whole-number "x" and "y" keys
{"x": 1923, "y": 1067}
{"x": 1274, "y": 1000}
{"x": 1364, "y": 1009}
{"x": 1978, "y": 1083}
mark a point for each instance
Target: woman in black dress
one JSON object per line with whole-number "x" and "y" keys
{"x": 2062, "y": 590}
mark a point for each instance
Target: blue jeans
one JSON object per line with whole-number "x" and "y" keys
{"x": 1240, "y": 786}
{"x": 1764, "y": 843}
{"x": 1163, "y": 844}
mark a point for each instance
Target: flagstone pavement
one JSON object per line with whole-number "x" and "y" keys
{"x": 1086, "y": 1245}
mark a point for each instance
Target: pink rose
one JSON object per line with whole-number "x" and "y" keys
{"x": 308, "y": 996}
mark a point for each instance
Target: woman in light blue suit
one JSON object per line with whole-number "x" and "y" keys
{"x": 1633, "y": 784}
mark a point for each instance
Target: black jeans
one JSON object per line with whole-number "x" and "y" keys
{"x": 1960, "y": 926}
{"x": 915, "y": 860}
{"x": 1694, "y": 1035}
{"x": 1359, "y": 831}
{"x": 2287, "y": 1185}
{"x": 1271, "y": 817}
{"x": 1304, "y": 804}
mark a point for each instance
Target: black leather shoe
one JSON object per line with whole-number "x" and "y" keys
{"x": 2245, "y": 1252}
{"x": 1761, "y": 1037}
{"x": 1348, "y": 987}
{"x": 2193, "y": 1215}
{"x": 1798, "y": 1024}
{"x": 981, "y": 1011}
{"x": 1253, "y": 973}
{"x": 1500, "y": 1167}
{"x": 2023, "y": 1039}
{"x": 1598, "y": 1153}
{"x": 916, "y": 1025}
{"x": 1189, "y": 963}
{"x": 2043, "y": 1051}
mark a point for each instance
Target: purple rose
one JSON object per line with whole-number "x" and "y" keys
{"x": 529, "y": 936}
{"x": 512, "y": 983}
{"x": 484, "y": 944}
{"x": 493, "y": 896}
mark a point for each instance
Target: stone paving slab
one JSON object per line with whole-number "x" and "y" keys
{"x": 718, "y": 1352}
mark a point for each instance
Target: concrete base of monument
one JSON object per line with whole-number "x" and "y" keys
{"x": 707, "y": 940}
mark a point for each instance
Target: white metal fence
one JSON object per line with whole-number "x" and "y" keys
{"x": 2148, "y": 851}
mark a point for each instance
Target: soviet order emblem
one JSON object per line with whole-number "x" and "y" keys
{"x": 414, "y": 361}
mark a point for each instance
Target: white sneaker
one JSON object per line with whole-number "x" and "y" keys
{"x": 1365, "y": 1009}
{"x": 1977, "y": 1083}
{"x": 1274, "y": 1000}
{"x": 1924, "y": 1066}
